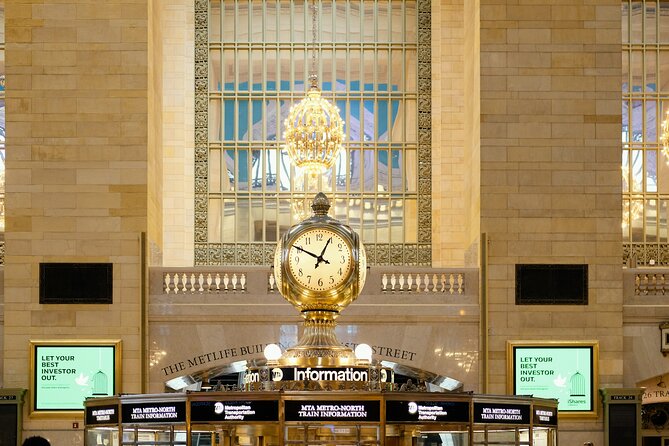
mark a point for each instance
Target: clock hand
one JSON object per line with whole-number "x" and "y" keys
{"x": 320, "y": 258}
{"x": 299, "y": 248}
{"x": 325, "y": 247}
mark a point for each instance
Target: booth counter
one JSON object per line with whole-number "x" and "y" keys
{"x": 319, "y": 418}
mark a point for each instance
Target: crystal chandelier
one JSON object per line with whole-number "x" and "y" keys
{"x": 314, "y": 130}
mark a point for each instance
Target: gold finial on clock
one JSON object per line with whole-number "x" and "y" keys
{"x": 321, "y": 204}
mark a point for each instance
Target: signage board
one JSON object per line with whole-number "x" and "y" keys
{"x": 361, "y": 374}
{"x": 160, "y": 412}
{"x": 107, "y": 414}
{"x": 220, "y": 410}
{"x": 563, "y": 371}
{"x": 65, "y": 374}
{"x": 544, "y": 416}
{"x": 333, "y": 410}
{"x": 623, "y": 397}
{"x": 427, "y": 411}
{"x": 501, "y": 413}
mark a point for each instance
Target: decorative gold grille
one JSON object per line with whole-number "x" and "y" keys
{"x": 645, "y": 86}
{"x": 251, "y": 64}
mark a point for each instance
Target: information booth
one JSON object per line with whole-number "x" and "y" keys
{"x": 320, "y": 392}
{"x": 320, "y": 418}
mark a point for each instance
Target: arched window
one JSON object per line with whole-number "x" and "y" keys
{"x": 645, "y": 173}
{"x": 252, "y": 63}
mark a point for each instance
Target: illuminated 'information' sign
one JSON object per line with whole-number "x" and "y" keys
{"x": 562, "y": 372}
{"x": 65, "y": 375}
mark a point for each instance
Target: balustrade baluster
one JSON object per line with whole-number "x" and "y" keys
{"x": 166, "y": 283}
{"x": 271, "y": 282}
{"x": 189, "y": 286}
{"x": 662, "y": 284}
{"x": 181, "y": 283}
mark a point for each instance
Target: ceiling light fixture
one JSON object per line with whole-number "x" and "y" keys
{"x": 314, "y": 130}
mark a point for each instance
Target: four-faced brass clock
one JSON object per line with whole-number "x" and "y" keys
{"x": 320, "y": 259}
{"x": 320, "y": 263}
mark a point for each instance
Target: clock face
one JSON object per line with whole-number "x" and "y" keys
{"x": 320, "y": 260}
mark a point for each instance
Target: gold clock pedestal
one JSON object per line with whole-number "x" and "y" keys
{"x": 318, "y": 346}
{"x": 320, "y": 267}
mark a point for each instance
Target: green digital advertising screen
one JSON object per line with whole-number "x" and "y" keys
{"x": 64, "y": 375}
{"x": 565, "y": 373}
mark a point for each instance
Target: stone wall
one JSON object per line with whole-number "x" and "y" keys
{"x": 76, "y": 175}
{"x": 550, "y": 173}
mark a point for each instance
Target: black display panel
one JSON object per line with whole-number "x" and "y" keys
{"x": 163, "y": 412}
{"x": 262, "y": 410}
{"x": 622, "y": 424}
{"x": 551, "y": 284}
{"x": 545, "y": 416}
{"x": 76, "y": 283}
{"x": 311, "y": 410}
{"x": 8, "y": 421}
{"x": 501, "y": 413}
{"x": 102, "y": 415}
{"x": 427, "y": 411}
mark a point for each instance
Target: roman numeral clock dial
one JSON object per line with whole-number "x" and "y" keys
{"x": 320, "y": 259}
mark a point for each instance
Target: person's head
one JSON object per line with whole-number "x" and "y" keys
{"x": 36, "y": 441}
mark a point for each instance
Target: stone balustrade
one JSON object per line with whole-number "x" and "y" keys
{"x": 190, "y": 282}
{"x": 260, "y": 280}
{"x": 450, "y": 282}
{"x": 646, "y": 281}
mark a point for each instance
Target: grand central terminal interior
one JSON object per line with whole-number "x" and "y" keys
{"x": 326, "y": 219}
